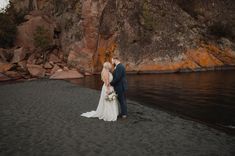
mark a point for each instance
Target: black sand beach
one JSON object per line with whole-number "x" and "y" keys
{"x": 42, "y": 118}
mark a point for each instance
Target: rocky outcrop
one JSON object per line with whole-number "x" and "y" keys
{"x": 4, "y": 77}
{"x": 82, "y": 52}
{"x": 31, "y": 65}
{"x": 4, "y": 67}
{"x": 69, "y": 74}
{"x": 169, "y": 35}
{"x": 36, "y": 70}
{"x": 26, "y": 31}
{"x": 204, "y": 58}
{"x": 19, "y": 55}
{"x": 148, "y": 35}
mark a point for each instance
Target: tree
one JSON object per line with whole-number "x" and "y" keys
{"x": 42, "y": 40}
{"x": 8, "y": 31}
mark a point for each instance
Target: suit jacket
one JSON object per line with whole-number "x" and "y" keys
{"x": 119, "y": 81}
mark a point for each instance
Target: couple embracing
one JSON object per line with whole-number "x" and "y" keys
{"x": 113, "y": 93}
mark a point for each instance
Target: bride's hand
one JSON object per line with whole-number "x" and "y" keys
{"x": 108, "y": 89}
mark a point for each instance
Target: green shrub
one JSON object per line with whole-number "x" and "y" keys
{"x": 78, "y": 8}
{"x": 42, "y": 38}
{"x": 147, "y": 16}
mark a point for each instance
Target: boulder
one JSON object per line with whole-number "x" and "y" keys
{"x": 66, "y": 69}
{"x": 55, "y": 69}
{"x": 87, "y": 74}
{"x": 13, "y": 74}
{"x": 4, "y": 77}
{"x": 19, "y": 55}
{"x": 70, "y": 74}
{"x": 36, "y": 70}
{"x": 5, "y": 67}
{"x": 32, "y": 59}
{"x": 54, "y": 58}
{"x": 39, "y": 61}
{"x": 22, "y": 64}
{"x": 61, "y": 55}
{"x": 47, "y": 65}
{"x": 61, "y": 64}
{"x": 6, "y": 55}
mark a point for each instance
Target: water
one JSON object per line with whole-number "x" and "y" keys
{"x": 206, "y": 97}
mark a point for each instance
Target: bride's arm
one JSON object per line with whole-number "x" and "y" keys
{"x": 106, "y": 80}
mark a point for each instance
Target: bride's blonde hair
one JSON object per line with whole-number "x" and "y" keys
{"x": 107, "y": 67}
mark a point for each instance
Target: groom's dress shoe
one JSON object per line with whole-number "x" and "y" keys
{"x": 122, "y": 116}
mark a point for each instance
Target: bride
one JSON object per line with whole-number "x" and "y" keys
{"x": 106, "y": 110}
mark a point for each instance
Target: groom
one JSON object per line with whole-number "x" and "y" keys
{"x": 119, "y": 83}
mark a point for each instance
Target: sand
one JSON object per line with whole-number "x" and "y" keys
{"x": 42, "y": 118}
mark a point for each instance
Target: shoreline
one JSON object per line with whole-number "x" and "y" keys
{"x": 197, "y": 70}
{"x": 227, "y": 130}
{"x": 182, "y": 71}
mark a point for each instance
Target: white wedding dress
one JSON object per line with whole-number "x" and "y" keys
{"x": 106, "y": 110}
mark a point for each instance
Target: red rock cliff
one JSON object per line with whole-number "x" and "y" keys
{"x": 148, "y": 35}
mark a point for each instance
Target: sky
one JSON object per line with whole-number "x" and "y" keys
{"x": 3, "y": 3}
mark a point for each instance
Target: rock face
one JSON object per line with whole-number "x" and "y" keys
{"x": 156, "y": 35}
{"x": 147, "y": 35}
{"x": 19, "y": 55}
{"x": 4, "y": 77}
{"x": 5, "y": 67}
{"x": 6, "y": 55}
{"x": 36, "y": 70}
{"x": 27, "y": 30}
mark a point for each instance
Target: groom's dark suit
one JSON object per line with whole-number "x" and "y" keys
{"x": 119, "y": 83}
